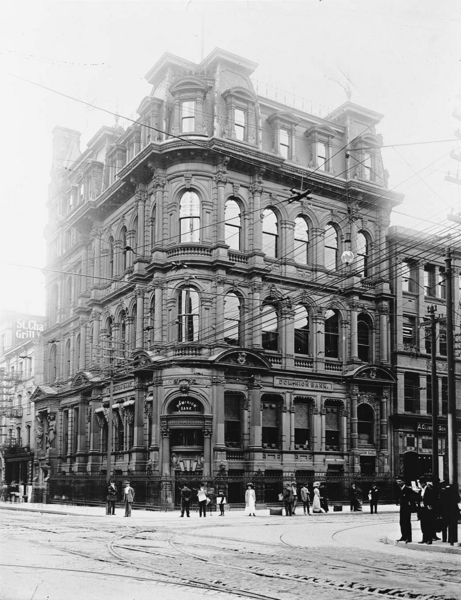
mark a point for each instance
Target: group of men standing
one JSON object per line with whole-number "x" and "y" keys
{"x": 434, "y": 505}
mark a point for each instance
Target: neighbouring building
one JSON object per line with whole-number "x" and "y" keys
{"x": 21, "y": 369}
{"x": 203, "y": 322}
{"x": 418, "y": 282}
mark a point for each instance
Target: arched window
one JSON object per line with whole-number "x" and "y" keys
{"x": 188, "y": 315}
{"x": 301, "y": 325}
{"x": 189, "y": 217}
{"x": 77, "y": 353}
{"x": 232, "y": 319}
{"x": 331, "y": 334}
{"x": 270, "y": 233}
{"x": 301, "y": 241}
{"x": 123, "y": 246}
{"x": 269, "y": 328}
{"x": 233, "y": 224}
{"x": 110, "y": 258}
{"x": 362, "y": 254}
{"x": 53, "y": 364}
{"x": 331, "y": 248}
{"x": 363, "y": 338}
{"x": 67, "y": 360}
{"x": 365, "y": 425}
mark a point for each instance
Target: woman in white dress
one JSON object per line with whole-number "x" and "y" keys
{"x": 250, "y": 500}
{"x": 316, "y": 508}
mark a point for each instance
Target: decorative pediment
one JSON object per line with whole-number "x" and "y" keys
{"x": 145, "y": 359}
{"x": 83, "y": 378}
{"x": 188, "y": 84}
{"x": 283, "y": 117}
{"x": 372, "y": 373}
{"x": 320, "y": 131}
{"x": 240, "y": 93}
{"x": 241, "y": 358}
{"x": 43, "y": 391}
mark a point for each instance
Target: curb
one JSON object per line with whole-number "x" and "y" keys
{"x": 434, "y": 547}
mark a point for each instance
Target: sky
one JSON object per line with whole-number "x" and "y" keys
{"x": 401, "y": 59}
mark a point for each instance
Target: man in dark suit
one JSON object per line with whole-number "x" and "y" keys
{"x": 186, "y": 495}
{"x": 427, "y": 510}
{"x": 406, "y": 501}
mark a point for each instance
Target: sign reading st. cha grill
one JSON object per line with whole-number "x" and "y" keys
{"x": 28, "y": 329}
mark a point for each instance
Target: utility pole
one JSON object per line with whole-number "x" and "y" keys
{"x": 451, "y": 413}
{"x": 435, "y": 395}
{"x": 109, "y": 430}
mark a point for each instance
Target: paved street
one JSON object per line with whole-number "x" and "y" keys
{"x": 78, "y": 552}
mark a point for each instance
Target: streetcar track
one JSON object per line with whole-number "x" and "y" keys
{"x": 176, "y": 580}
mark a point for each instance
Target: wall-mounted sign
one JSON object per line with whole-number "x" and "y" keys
{"x": 28, "y": 329}
{"x": 305, "y": 384}
{"x": 187, "y": 405}
{"x": 427, "y": 428}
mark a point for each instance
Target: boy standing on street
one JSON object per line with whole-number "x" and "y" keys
{"x": 129, "y": 497}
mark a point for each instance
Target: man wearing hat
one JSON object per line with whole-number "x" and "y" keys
{"x": 406, "y": 501}
{"x": 427, "y": 511}
{"x": 128, "y": 493}
{"x": 288, "y": 499}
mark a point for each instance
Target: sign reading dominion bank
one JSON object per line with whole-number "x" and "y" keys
{"x": 304, "y": 384}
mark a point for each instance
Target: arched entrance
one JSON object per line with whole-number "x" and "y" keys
{"x": 186, "y": 442}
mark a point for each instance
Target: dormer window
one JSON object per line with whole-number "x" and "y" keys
{"x": 240, "y": 125}
{"x": 188, "y": 116}
{"x": 188, "y": 93}
{"x": 321, "y": 156}
{"x": 284, "y": 126}
{"x": 320, "y": 139}
{"x": 284, "y": 143}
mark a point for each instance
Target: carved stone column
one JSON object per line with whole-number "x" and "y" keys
{"x": 165, "y": 450}
{"x": 221, "y": 179}
{"x": 353, "y": 333}
{"x": 256, "y": 341}
{"x": 207, "y": 451}
{"x": 384, "y": 333}
{"x": 255, "y": 418}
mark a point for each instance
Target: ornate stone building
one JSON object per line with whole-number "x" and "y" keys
{"x": 418, "y": 282}
{"x": 187, "y": 276}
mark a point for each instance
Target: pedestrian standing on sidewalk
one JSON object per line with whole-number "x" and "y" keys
{"x": 129, "y": 498}
{"x": 427, "y": 511}
{"x": 316, "y": 506}
{"x": 202, "y": 498}
{"x": 111, "y": 497}
{"x": 294, "y": 490}
{"x": 221, "y": 502}
{"x": 288, "y": 500}
{"x": 323, "y": 497}
{"x": 305, "y": 497}
{"x": 250, "y": 500}
{"x": 373, "y": 496}
{"x": 186, "y": 494}
{"x": 406, "y": 501}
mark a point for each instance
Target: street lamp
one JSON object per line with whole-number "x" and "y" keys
{"x": 347, "y": 256}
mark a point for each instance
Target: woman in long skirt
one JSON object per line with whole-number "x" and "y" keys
{"x": 250, "y": 500}
{"x": 316, "y": 507}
